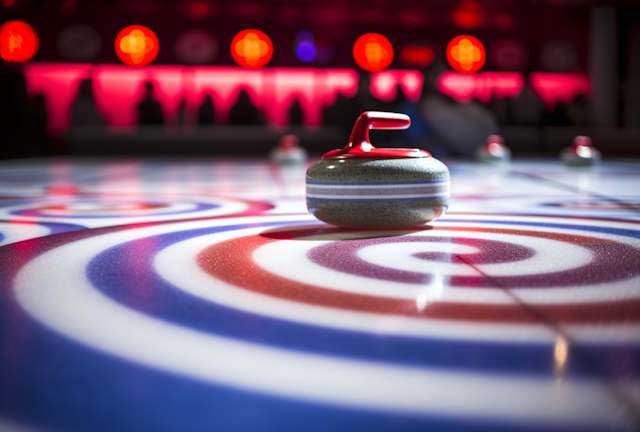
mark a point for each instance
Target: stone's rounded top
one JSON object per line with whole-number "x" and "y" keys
{"x": 289, "y": 141}
{"x": 378, "y": 170}
{"x": 581, "y": 152}
{"x": 359, "y": 146}
{"x": 493, "y": 150}
{"x": 582, "y": 140}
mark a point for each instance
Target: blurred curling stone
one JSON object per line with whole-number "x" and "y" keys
{"x": 365, "y": 186}
{"x": 493, "y": 150}
{"x": 581, "y": 153}
{"x": 288, "y": 151}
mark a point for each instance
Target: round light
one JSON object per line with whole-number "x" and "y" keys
{"x": 373, "y": 52}
{"x": 559, "y": 56}
{"x": 196, "y": 46}
{"x": 466, "y": 54}
{"x": 306, "y": 51}
{"x": 416, "y": 55}
{"x": 19, "y": 42}
{"x": 251, "y": 49}
{"x": 79, "y": 43}
{"x": 509, "y": 54}
{"x": 137, "y": 45}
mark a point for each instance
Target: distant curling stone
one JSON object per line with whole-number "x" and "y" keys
{"x": 368, "y": 187}
{"x": 581, "y": 153}
{"x": 288, "y": 151}
{"x": 493, "y": 150}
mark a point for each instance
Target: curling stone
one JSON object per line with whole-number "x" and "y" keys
{"x": 581, "y": 153}
{"x": 288, "y": 151}
{"x": 365, "y": 186}
{"x": 493, "y": 150}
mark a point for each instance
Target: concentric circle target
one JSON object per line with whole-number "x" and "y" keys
{"x": 97, "y": 211}
{"x": 385, "y": 320}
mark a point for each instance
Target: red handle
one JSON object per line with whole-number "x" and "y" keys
{"x": 359, "y": 146}
{"x": 375, "y": 120}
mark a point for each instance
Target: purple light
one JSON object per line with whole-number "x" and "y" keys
{"x": 306, "y": 51}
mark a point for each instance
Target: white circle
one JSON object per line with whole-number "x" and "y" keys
{"x": 14, "y": 232}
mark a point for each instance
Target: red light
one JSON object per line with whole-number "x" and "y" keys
{"x": 373, "y": 52}
{"x": 508, "y": 54}
{"x": 251, "y": 49}
{"x": 468, "y": 15}
{"x": 416, "y": 56}
{"x": 137, "y": 45}
{"x": 199, "y": 10}
{"x": 466, "y": 54}
{"x": 19, "y": 42}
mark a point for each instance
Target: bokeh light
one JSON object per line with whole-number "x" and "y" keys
{"x": 196, "y": 46}
{"x": 508, "y": 54}
{"x": 373, "y": 52}
{"x": 79, "y": 43}
{"x": 19, "y": 42}
{"x": 137, "y": 45}
{"x": 251, "y": 49}
{"x": 466, "y": 54}
{"x": 413, "y": 55}
{"x": 468, "y": 15}
{"x": 305, "y": 46}
{"x": 306, "y": 51}
{"x": 324, "y": 47}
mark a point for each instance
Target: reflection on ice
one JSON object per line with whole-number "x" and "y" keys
{"x": 432, "y": 293}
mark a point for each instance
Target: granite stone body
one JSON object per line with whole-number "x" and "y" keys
{"x": 378, "y": 192}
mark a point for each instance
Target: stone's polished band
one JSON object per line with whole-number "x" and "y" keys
{"x": 431, "y": 189}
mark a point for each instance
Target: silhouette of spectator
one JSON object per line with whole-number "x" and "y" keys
{"x": 149, "y": 110}
{"x": 361, "y": 102}
{"x": 295, "y": 113}
{"x": 244, "y": 112}
{"x": 500, "y": 107}
{"x": 365, "y": 99}
{"x": 39, "y": 112}
{"x": 182, "y": 112}
{"x": 457, "y": 128}
{"x": 344, "y": 111}
{"x": 341, "y": 113}
{"x": 17, "y": 137}
{"x": 332, "y": 114}
{"x": 578, "y": 111}
{"x": 206, "y": 112}
{"x": 558, "y": 116}
{"x": 83, "y": 110}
